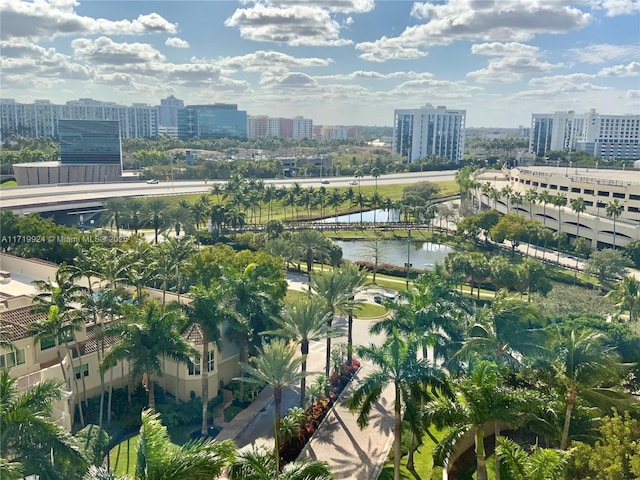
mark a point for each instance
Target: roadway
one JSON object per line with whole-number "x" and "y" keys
{"x": 45, "y": 198}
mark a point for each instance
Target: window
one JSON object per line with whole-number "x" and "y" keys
{"x": 575, "y": 190}
{"x": 65, "y": 335}
{"x": 210, "y": 361}
{"x": 12, "y": 359}
{"x": 194, "y": 367}
{"x": 588, "y": 191}
{"x": 81, "y": 371}
{"x": 603, "y": 193}
{"x": 47, "y": 342}
{"x": 618, "y": 195}
{"x": 564, "y": 189}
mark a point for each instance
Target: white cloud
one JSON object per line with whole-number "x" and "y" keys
{"x": 261, "y": 60}
{"x": 30, "y": 59}
{"x": 104, "y": 51}
{"x": 49, "y": 19}
{"x": 515, "y": 60}
{"x": 633, "y": 94}
{"x": 338, "y": 6}
{"x": 296, "y": 25}
{"x": 385, "y": 49}
{"x": 630, "y": 70}
{"x": 603, "y": 52}
{"x": 176, "y": 42}
{"x": 502, "y": 20}
{"x": 614, "y": 8}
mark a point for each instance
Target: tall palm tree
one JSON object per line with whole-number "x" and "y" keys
{"x": 626, "y": 295}
{"x": 208, "y": 309}
{"x": 304, "y": 320}
{"x": 145, "y": 337}
{"x": 517, "y": 199}
{"x": 217, "y": 189}
{"x": 335, "y": 290}
{"x": 200, "y": 209}
{"x": 335, "y": 200}
{"x": 311, "y": 245}
{"x": 277, "y": 366}
{"x": 479, "y": 398}
{"x": 399, "y": 366}
{"x": 31, "y": 443}
{"x": 270, "y": 194}
{"x": 614, "y": 209}
{"x": 354, "y": 281}
{"x": 560, "y": 201}
{"x": 507, "y": 192}
{"x": 154, "y": 210}
{"x": 58, "y": 300}
{"x": 134, "y": 213}
{"x": 531, "y": 196}
{"x": 584, "y": 363}
{"x": 258, "y": 464}
{"x": 113, "y": 213}
{"x": 578, "y": 206}
{"x": 544, "y": 197}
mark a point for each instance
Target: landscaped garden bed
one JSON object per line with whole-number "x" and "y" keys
{"x": 317, "y": 410}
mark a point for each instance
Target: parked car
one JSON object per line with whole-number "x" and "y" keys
{"x": 153, "y": 181}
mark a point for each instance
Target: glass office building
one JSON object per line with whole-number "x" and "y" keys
{"x": 89, "y": 142}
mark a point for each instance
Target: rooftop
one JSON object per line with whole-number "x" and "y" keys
{"x": 630, "y": 176}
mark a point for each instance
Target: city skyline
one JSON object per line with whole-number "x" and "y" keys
{"x": 349, "y": 62}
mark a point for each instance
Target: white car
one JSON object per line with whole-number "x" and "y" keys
{"x": 353, "y": 182}
{"x": 153, "y": 181}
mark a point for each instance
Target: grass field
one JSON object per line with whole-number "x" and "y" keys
{"x": 122, "y": 457}
{"x": 423, "y": 462}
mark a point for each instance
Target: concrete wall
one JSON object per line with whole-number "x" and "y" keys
{"x": 46, "y": 174}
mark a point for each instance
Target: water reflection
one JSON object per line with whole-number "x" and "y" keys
{"x": 378, "y": 216}
{"x": 422, "y": 255}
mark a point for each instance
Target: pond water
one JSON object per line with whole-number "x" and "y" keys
{"x": 422, "y": 255}
{"x": 380, "y": 216}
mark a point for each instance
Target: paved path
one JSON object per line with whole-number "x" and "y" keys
{"x": 352, "y": 453}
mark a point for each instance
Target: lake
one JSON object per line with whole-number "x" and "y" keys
{"x": 422, "y": 255}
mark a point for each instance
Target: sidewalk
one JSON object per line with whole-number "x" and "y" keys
{"x": 352, "y": 453}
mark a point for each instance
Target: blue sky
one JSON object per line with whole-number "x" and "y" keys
{"x": 340, "y": 62}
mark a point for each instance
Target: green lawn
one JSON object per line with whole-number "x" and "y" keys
{"x": 370, "y": 310}
{"x": 231, "y": 411}
{"x": 423, "y": 462}
{"x": 122, "y": 457}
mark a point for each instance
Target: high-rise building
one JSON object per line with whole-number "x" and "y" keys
{"x": 89, "y": 142}
{"x": 296, "y": 128}
{"x": 168, "y": 111}
{"x": 213, "y": 120}
{"x": 604, "y": 136}
{"x": 40, "y": 119}
{"x": 302, "y": 128}
{"x": 422, "y": 132}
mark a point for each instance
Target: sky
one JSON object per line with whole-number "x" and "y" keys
{"x": 339, "y": 62}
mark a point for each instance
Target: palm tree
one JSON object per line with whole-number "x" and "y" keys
{"x": 155, "y": 208}
{"x": 335, "y": 288}
{"x": 134, "y": 213}
{"x": 375, "y": 173}
{"x": 258, "y": 464}
{"x": 158, "y": 458}
{"x": 146, "y": 336}
{"x": 479, "y": 398}
{"x": 199, "y": 210}
{"x": 517, "y": 199}
{"x": 217, "y": 189}
{"x": 31, "y": 443}
{"x": 270, "y": 194}
{"x": 304, "y": 320}
{"x": 544, "y": 197}
{"x": 311, "y": 245}
{"x": 208, "y": 309}
{"x": 559, "y": 200}
{"x": 626, "y": 295}
{"x": 584, "y": 362}
{"x": 113, "y": 213}
{"x": 578, "y": 206}
{"x": 507, "y": 192}
{"x": 277, "y": 366}
{"x": 531, "y": 196}
{"x": 354, "y": 281}
{"x": 506, "y": 331}
{"x": 542, "y": 464}
{"x": 399, "y": 366}
{"x": 181, "y": 218}
{"x": 58, "y": 300}
{"x": 614, "y": 209}
{"x": 335, "y": 200}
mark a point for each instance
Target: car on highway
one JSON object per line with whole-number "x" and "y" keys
{"x": 153, "y": 181}
{"x": 325, "y": 182}
{"x": 353, "y": 182}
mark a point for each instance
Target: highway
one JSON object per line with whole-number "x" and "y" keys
{"x": 46, "y": 198}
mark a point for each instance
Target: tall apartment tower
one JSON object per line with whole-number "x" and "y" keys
{"x": 419, "y": 133}
{"x": 605, "y": 136}
{"x": 168, "y": 111}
